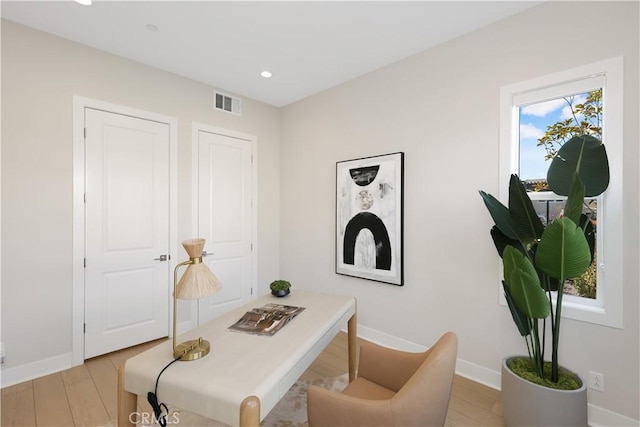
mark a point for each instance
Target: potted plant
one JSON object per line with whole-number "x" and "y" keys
{"x": 537, "y": 261}
{"x": 280, "y": 288}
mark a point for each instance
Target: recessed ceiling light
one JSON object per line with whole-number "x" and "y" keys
{"x": 266, "y": 74}
{"x": 84, "y": 2}
{"x": 152, "y": 27}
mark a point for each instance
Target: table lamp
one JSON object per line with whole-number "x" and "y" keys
{"x": 196, "y": 282}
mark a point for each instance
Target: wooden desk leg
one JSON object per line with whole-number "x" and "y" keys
{"x": 127, "y": 402}
{"x": 352, "y": 334}
{"x": 250, "y": 412}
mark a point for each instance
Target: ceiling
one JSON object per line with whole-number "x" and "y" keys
{"x": 308, "y": 46}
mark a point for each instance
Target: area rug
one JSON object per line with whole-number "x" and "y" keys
{"x": 291, "y": 411}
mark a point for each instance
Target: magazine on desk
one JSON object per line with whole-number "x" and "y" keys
{"x": 266, "y": 320}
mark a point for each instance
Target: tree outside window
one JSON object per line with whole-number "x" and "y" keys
{"x": 543, "y": 128}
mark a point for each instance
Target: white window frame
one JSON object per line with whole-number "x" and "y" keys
{"x": 606, "y": 309}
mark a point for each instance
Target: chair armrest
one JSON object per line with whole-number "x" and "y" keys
{"x": 327, "y": 408}
{"x": 388, "y": 367}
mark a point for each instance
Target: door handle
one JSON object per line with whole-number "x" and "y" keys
{"x": 205, "y": 253}
{"x": 162, "y": 258}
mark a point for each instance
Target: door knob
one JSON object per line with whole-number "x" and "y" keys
{"x": 162, "y": 258}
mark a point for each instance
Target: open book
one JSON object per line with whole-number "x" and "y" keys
{"x": 266, "y": 320}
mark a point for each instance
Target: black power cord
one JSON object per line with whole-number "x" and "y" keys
{"x": 153, "y": 399}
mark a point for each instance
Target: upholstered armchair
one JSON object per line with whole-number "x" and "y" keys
{"x": 392, "y": 388}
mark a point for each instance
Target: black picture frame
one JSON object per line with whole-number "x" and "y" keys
{"x": 369, "y": 218}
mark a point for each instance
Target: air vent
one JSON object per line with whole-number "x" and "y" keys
{"x": 227, "y": 103}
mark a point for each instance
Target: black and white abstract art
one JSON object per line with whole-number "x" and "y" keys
{"x": 369, "y": 199}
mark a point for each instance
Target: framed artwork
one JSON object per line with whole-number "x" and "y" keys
{"x": 369, "y": 209}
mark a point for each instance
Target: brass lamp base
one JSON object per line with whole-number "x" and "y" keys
{"x": 192, "y": 349}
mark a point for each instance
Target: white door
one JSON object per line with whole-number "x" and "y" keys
{"x": 225, "y": 219}
{"x": 127, "y": 231}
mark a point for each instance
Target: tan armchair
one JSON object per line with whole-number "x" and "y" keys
{"x": 392, "y": 388}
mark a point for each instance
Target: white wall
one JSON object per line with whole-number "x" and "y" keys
{"x": 40, "y": 75}
{"x": 441, "y": 107}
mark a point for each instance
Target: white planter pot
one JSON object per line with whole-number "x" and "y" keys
{"x": 527, "y": 404}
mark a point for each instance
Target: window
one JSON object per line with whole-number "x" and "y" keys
{"x": 543, "y": 127}
{"x": 537, "y": 116}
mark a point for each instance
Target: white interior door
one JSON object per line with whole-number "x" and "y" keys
{"x": 127, "y": 231}
{"x": 225, "y": 219}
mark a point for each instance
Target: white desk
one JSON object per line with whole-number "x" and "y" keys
{"x": 245, "y": 375}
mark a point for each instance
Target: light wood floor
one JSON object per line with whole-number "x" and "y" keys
{"x": 86, "y": 395}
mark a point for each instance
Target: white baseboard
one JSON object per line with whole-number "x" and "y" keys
{"x": 478, "y": 373}
{"x": 39, "y": 368}
{"x": 600, "y": 417}
{"x": 388, "y": 340}
{"x": 597, "y": 416}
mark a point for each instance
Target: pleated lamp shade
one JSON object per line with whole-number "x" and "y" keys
{"x": 197, "y": 281}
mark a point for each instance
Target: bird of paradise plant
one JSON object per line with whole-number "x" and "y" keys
{"x": 538, "y": 260}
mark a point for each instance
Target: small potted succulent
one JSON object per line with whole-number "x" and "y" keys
{"x": 280, "y": 288}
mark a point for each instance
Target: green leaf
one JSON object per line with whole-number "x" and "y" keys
{"x": 563, "y": 251}
{"x": 501, "y": 241}
{"x": 510, "y": 257}
{"x": 587, "y": 156}
{"x": 519, "y": 318}
{"x": 522, "y": 283}
{"x": 528, "y": 296}
{"x": 500, "y": 214}
{"x": 573, "y": 206}
{"x": 523, "y": 215}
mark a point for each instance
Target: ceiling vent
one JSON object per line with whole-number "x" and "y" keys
{"x": 227, "y": 103}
